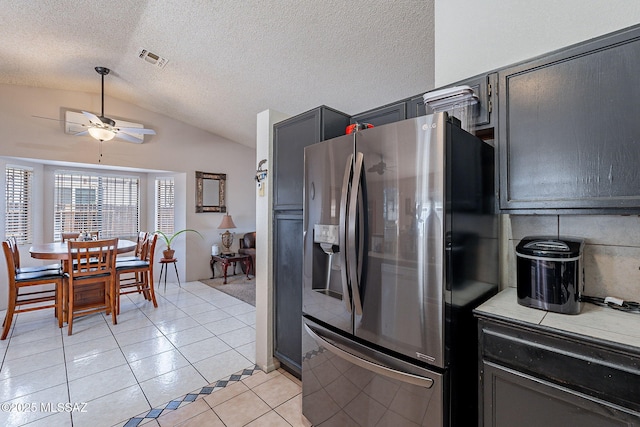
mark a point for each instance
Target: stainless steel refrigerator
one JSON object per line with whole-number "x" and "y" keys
{"x": 400, "y": 244}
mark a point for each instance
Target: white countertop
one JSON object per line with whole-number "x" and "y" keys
{"x": 593, "y": 321}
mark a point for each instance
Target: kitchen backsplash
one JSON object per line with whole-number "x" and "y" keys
{"x": 611, "y": 255}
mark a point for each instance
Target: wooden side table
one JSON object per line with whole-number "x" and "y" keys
{"x": 226, "y": 260}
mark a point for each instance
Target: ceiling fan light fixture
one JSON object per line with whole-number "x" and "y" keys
{"x": 103, "y": 128}
{"x": 101, "y": 134}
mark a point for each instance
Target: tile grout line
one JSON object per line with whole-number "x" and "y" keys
{"x": 174, "y": 404}
{"x": 190, "y": 397}
{"x": 271, "y": 409}
{"x": 138, "y": 382}
{"x": 15, "y": 320}
{"x": 128, "y": 363}
{"x": 125, "y": 356}
{"x": 172, "y": 344}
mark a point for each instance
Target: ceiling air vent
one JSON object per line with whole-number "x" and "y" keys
{"x": 152, "y": 58}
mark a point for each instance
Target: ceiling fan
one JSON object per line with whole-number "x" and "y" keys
{"x": 104, "y": 129}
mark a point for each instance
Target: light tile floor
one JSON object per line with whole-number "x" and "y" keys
{"x": 188, "y": 362}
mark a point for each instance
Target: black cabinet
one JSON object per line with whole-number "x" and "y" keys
{"x": 522, "y": 400}
{"x": 383, "y": 115}
{"x": 537, "y": 376}
{"x": 289, "y": 138}
{"x": 416, "y": 107}
{"x": 484, "y": 87}
{"x": 287, "y": 286}
{"x": 569, "y": 129}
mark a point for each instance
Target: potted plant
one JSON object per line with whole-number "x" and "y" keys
{"x": 168, "y": 252}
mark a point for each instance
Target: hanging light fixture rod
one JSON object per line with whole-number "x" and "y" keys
{"x": 103, "y": 71}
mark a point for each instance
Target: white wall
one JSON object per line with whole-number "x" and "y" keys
{"x": 177, "y": 147}
{"x": 472, "y": 37}
{"x": 500, "y": 33}
{"x": 264, "y": 240}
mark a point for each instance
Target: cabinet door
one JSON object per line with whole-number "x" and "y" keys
{"x": 288, "y": 290}
{"x": 512, "y": 398}
{"x": 483, "y": 90}
{"x": 595, "y": 369}
{"x": 416, "y": 107}
{"x": 383, "y": 115}
{"x": 483, "y": 87}
{"x": 569, "y": 129}
{"x": 289, "y": 139}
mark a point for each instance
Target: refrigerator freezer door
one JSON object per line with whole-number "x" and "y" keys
{"x": 328, "y": 169}
{"x": 402, "y": 288}
{"x": 348, "y": 384}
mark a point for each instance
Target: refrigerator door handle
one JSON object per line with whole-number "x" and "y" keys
{"x": 352, "y": 253}
{"x": 370, "y": 366}
{"x": 343, "y": 233}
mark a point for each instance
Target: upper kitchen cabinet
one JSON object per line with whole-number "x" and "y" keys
{"x": 289, "y": 139}
{"x": 416, "y": 107}
{"x": 412, "y": 107}
{"x": 569, "y": 130}
{"x": 484, "y": 87}
{"x": 383, "y": 115}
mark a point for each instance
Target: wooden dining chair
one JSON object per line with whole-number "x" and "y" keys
{"x": 92, "y": 278}
{"x": 135, "y": 277}
{"x": 142, "y": 271}
{"x": 137, "y": 252}
{"x": 22, "y": 300}
{"x": 15, "y": 251}
{"x": 70, "y": 235}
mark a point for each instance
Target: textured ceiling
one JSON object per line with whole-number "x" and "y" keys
{"x": 227, "y": 59}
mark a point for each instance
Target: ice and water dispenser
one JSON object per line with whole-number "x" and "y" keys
{"x": 326, "y": 237}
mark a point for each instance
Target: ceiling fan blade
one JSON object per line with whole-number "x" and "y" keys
{"x": 93, "y": 118}
{"x": 48, "y": 118}
{"x": 83, "y": 133}
{"x": 129, "y": 138}
{"x": 142, "y": 131}
{"x": 66, "y": 122}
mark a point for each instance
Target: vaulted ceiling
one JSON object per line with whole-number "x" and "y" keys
{"x": 226, "y": 60}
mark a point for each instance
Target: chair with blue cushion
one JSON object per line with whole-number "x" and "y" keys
{"x": 135, "y": 277}
{"x": 142, "y": 270}
{"x": 15, "y": 251}
{"x": 21, "y": 299}
{"x": 137, "y": 252}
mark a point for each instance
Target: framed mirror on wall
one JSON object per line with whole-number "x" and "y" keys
{"x": 210, "y": 192}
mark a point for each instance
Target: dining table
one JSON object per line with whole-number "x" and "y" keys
{"x": 60, "y": 251}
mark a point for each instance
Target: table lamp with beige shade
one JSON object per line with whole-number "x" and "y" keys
{"x": 227, "y": 236}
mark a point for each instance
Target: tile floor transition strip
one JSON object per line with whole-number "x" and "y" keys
{"x": 191, "y": 397}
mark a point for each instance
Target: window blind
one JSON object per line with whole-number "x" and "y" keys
{"x": 18, "y": 220}
{"x": 165, "y": 205}
{"x": 89, "y": 201}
